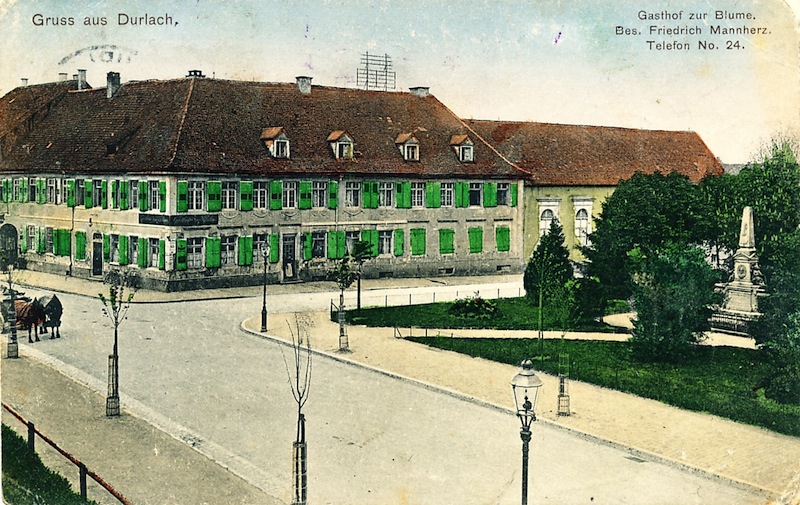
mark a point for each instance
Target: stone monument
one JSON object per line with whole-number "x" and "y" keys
{"x": 740, "y": 294}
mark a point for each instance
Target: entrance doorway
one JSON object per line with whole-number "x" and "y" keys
{"x": 97, "y": 254}
{"x": 289, "y": 257}
{"x": 8, "y": 246}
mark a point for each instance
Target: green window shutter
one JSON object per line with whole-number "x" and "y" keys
{"x": 305, "y": 195}
{"x": 104, "y": 194}
{"x": 276, "y": 195}
{"x": 87, "y": 193}
{"x": 370, "y": 196}
{"x": 5, "y": 190}
{"x": 503, "y": 238}
{"x": 213, "y": 247}
{"x": 433, "y": 195}
{"x": 162, "y": 196}
{"x": 403, "y": 190}
{"x": 65, "y": 243}
{"x": 80, "y": 245}
{"x": 114, "y": 202}
{"x": 183, "y": 197}
{"x": 42, "y": 242}
{"x": 22, "y": 241}
{"x": 123, "y": 249}
{"x": 162, "y": 254}
{"x": 274, "y": 244}
{"x": 106, "y": 248}
{"x": 514, "y": 194}
{"x": 142, "y": 253}
{"x": 490, "y": 194}
{"x": 475, "y": 240}
{"x": 446, "y": 241}
{"x": 142, "y": 196}
{"x": 246, "y": 195}
{"x": 180, "y": 254}
{"x": 307, "y": 249}
{"x": 399, "y": 237}
{"x": 417, "y": 241}
{"x": 214, "y": 196}
{"x": 371, "y": 236}
{"x": 71, "y": 193}
{"x": 245, "y": 250}
{"x": 123, "y": 195}
{"x": 462, "y": 194}
{"x": 336, "y": 245}
{"x": 39, "y": 192}
{"x": 333, "y": 195}
{"x": 57, "y": 242}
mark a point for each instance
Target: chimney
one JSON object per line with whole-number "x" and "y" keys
{"x": 420, "y": 91}
{"x": 304, "y": 84}
{"x": 62, "y": 76}
{"x": 81, "y": 78}
{"x": 113, "y": 84}
{"x": 24, "y": 81}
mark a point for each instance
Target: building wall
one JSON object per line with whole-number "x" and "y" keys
{"x": 567, "y": 200}
{"x": 50, "y": 233}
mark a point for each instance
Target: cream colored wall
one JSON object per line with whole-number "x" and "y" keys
{"x": 566, "y": 212}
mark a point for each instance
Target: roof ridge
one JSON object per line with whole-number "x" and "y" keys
{"x": 183, "y": 121}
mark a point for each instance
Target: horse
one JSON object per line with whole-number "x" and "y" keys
{"x": 30, "y": 315}
{"x": 52, "y": 311}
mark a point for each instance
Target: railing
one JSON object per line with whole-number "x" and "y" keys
{"x": 83, "y": 471}
{"x": 419, "y": 298}
{"x": 730, "y": 324}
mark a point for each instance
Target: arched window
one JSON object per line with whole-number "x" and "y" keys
{"x": 582, "y": 229}
{"x": 545, "y": 220}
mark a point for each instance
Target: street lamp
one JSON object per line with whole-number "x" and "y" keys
{"x": 525, "y": 386}
{"x": 265, "y": 254}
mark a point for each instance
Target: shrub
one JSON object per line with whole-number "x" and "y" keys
{"x": 474, "y": 307}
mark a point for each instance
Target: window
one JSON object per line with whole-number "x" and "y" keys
{"x": 152, "y": 193}
{"x": 31, "y": 189}
{"x": 319, "y": 195}
{"x": 386, "y": 194}
{"x": 290, "y": 195}
{"x": 276, "y": 141}
{"x": 196, "y": 195}
{"x": 114, "y": 249}
{"x": 227, "y": 250}
{"x": 64, "y": 196}
{"x": 446, "y": 194}
{"x": 281, "y": 149}
{"x": 30, "y": 241}
{"x": 417, "y": 194}
{"x": 503, "y": 238}
{"x": 230, "y": 192}
{"x": 545, "y": 220}
{"x": 475, "y": 240}
{"x": 133, "y": 250}
{"x": 48, "y": 240}
{"x": 152, "y": 252}
{"x": 475, "y": 194}
{"x": 194, "y": 252}
{"x": 352, "y": 194}
{"x": 133, "y": 199}
{"x": 384, "y": 242}
{"x": 350, "y": 239}
{"x": 260, "y": 195}
{"x": 52, "y": 191}
{"x": 318, "y": 244}
{"x": 465, "y": 153}
{"x": 408, "y": 145}
{"x": 582, "y": 227}
{"x": 260, "y": 242}
{"x": 411, "y": 152}
{"x": 446, "y": 244}
{"x": 503, "y": 193}
{"x": 19, "y": 189}
{"x": 417, "y": 241}
{"x": 97, "y": 193}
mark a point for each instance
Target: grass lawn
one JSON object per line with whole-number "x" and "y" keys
{"x": 719, "y": 380}
{"x": 512, "y": 314}
{"x": 27, "y": 481}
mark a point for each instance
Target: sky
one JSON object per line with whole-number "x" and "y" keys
{"x": 555, "y": 61}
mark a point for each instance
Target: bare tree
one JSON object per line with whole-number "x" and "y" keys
{"x": 300, "y": 382}
{"x": 115, "y": 307}
{"x": 345, "y": 274}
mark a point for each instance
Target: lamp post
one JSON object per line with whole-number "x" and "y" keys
{"x": 265, "y": 254}
{"x": 525, "y": 386}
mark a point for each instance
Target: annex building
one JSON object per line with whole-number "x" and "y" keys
{"x": 198, "y": 182}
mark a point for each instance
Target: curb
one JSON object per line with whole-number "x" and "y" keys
{"x": 640, "y": 453}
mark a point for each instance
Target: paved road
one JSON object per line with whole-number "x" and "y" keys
{"x": 372, "y": 438}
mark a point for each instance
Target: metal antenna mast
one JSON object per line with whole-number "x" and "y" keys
{"x": 376, "y": 72}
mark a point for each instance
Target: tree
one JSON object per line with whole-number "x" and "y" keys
{"x": 115, "y": 307}
{"x": 673, "y": 296}
{"x": 548, "y": 273}
{"x": 362, "y": 251}
{"x": 645, "y": 212}
{"x": 346, "y": 272}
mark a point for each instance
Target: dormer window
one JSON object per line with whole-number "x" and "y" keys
{"x": 408, "y": 145}
{"x": 341, "y": 145}
{"x": 276, "y": 142}
{"x": 463, "y": 147}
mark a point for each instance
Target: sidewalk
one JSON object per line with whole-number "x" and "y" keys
{"x": 741, "y": 454}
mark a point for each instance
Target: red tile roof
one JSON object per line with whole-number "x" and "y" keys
{"x": 198, "y": 125}
{"x": 574, "y": 155}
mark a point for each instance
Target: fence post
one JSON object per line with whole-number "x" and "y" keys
{"x": 31, "y": 435}
{"x": 409, "y": 298}
{"x": 82, "y": 469}
{"x": 385, "y": 300}
{"x": 434, "y": 297}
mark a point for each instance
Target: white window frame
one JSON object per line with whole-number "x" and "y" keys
{"x": 318, "y": 244}
{"x": 350, "y": 239}
{"x": 133, "y": 250}
{"x": 152, "y": 252}
{"x": 319, "y": 194}
{"x": 230, "y": 195}
{"x": 52, "y": 190}
{"x": 352, "y": 194}
{"x": 417, "y": 194}
{"x": 289, "y": 197}
{"x": 386, "y": 194}
{"x": 281, "y": 148}
{"x": 97, "y": 192}
{"x": 503, "y": 194}
{"x": 30, "y": 239}
{"x": 466, "y": 153}
{"x": 113, "y": 248}
{"x": 261, "y": 194}
{"x": 475, "y": 189}
{"x": 582, "y": 206}
{"x": 196, "y": 195}
{"x": 227, "y": 250}
{"x": 446, "y": 194}
{"x": 152, "y": 195}
{"x": 411, "y": 151}
{"x": 548, "y": 210}
{"x": 259, "y": 241}
{"x": 133, "y": 193}
{"x": 385, "y": 241}
{"x": 194, "y": 252}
